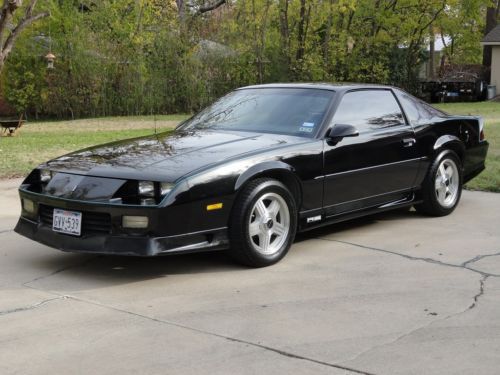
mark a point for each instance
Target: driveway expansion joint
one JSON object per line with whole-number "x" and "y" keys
{"x": 463, "y": 266}
{"x": 478, "y": 258}
{"x": 482, "y": 281}
{"x": 399, "y": 338}
{"x": 31, "y": 307}
{"x": 208, "y": 333}
{"x": 66, "y": 268}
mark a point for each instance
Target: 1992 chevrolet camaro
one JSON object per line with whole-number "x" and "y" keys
{"x": 249, "y": 171}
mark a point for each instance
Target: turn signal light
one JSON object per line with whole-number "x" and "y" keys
{"x": 215, "y": 206}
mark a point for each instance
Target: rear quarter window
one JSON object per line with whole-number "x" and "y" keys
{"x": 417, "y": 111}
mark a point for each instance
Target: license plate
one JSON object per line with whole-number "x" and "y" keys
{"x": 68, "y": 222}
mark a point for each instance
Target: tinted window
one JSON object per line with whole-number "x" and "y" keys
{"x": 283, "y": 111}
{"x": 417, "y": 111}
{"x": 369, "y": 110}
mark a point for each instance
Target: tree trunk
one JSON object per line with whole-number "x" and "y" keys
{"x": 432, "y": 52}
{"x": 301, "y": 32}
{"x": 284, "y": 31}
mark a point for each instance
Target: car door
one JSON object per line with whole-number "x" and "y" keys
{"x": 380, "y": 164}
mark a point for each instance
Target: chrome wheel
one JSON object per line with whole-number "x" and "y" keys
{"x": 269, "y": 224}
{"x": 447, "y": 182}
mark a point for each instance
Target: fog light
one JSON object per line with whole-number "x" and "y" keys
{"x": 147, "y": 188}
{"x": 135, "y": 222}
{"x": 29, "y": 206}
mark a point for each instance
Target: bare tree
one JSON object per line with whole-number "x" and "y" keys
{"x": 9, "y": 33}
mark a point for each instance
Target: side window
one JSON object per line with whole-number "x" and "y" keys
{"x": 369, "y": 110}
{"x": 418, "y": 112}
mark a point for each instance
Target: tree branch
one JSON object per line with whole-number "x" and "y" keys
{"x": 13, "y": 4}
{"x": 5, "y": 15}
{"x": 209, "y": 7}
{"x": 7, "y": 11}
{"x": 30, "y": 8}
{"x": 9, "y": 43}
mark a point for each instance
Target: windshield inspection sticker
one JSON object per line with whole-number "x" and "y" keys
{"x": 307, "y": 127}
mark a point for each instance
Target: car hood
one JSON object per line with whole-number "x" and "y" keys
{"x": 167, "y": 156}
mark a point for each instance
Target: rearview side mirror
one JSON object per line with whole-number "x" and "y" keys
{"x": 340, "y": 131}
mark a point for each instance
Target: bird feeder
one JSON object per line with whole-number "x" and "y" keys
{"x": 50, "y": 60}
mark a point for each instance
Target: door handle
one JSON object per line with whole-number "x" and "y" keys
{"x": 409, "y": 142}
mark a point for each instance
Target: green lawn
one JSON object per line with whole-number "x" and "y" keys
{"x": 40, "y": 141}
{"x": 489, "y": 179}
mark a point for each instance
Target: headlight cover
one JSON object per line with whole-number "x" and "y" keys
{"x": 146, "y": 189}
{"x": 165, "y": 188}
{"x": 45, "y": 176}
{"x": 144, "y": 193}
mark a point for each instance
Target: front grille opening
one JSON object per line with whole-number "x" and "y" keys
{"x": 92, "y": 222}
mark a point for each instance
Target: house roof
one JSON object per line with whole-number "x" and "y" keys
{"x": 492, "y": 38}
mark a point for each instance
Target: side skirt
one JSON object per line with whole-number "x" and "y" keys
{"x": 409, "y": 201}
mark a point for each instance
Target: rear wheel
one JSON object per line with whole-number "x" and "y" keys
{"x": 263, "y": 223}
{"x": 442, "y": 188}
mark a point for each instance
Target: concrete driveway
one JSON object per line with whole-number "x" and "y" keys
{"x": 397, "y": 293}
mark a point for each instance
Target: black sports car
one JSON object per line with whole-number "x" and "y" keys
{"x": 249, "y": 171}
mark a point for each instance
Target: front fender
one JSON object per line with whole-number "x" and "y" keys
{"x": 260, "y": 168}
{"x": 221, "y": 181}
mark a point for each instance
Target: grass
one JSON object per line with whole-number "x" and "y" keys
{"x": 37, "y": 142}
{"x": 489, "y": 179}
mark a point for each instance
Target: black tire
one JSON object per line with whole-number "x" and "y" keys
{"x": 431, "y": 204}
{"x": 243, "y": 247}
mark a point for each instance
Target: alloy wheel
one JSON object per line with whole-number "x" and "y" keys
{"x": 269, "y": 223}
{"x": 446, "y": 183}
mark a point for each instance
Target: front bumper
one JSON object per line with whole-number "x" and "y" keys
{"x": 102, "y": 232}
{"x": 124, "y": 245}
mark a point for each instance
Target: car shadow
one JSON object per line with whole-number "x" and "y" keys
{"x": 74, "y": 272}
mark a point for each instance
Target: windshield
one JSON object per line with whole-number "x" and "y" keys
{"x": 289, "y": 111}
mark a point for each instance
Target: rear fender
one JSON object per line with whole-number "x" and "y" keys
{"x": 450, "y": 142}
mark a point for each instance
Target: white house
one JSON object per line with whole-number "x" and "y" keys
{"x": 493, "y": 39}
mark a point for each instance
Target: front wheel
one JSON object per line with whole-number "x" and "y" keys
{"x": 442, "y": 188}
{"x": 263, "y": 223}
